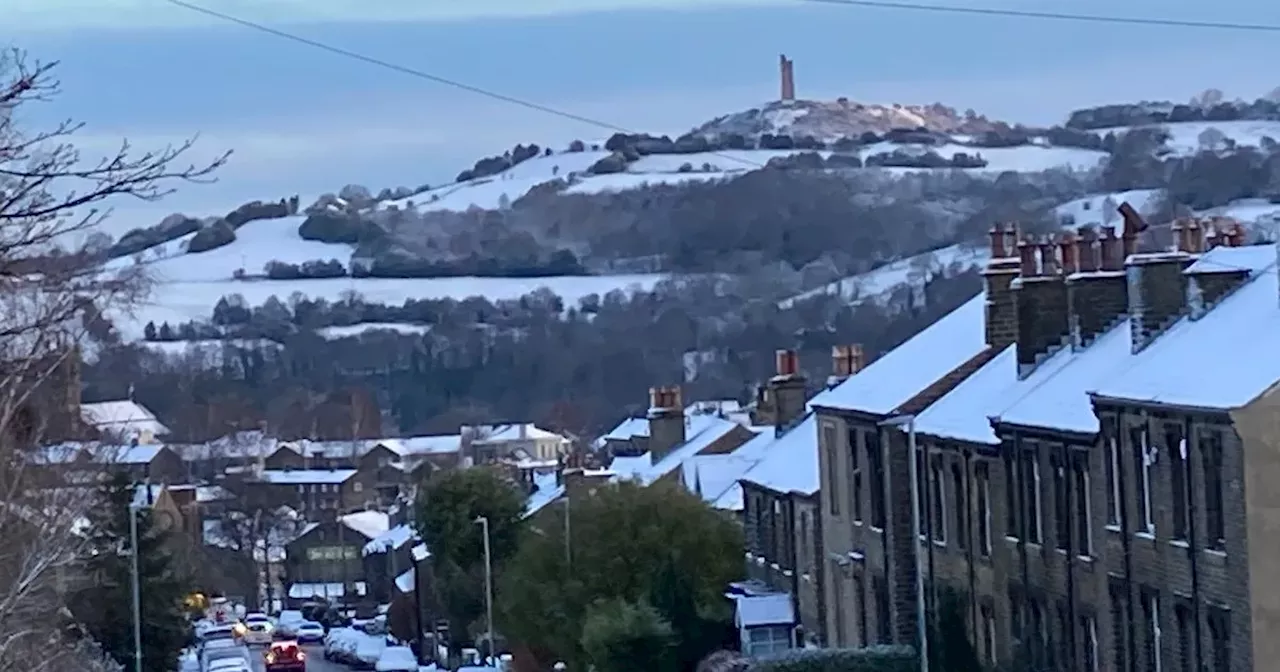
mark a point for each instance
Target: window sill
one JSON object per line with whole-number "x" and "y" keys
{"x": 877, "y": 530}
{"x": 1180, "y": 543}
{"x": 1110, "y": 527}
{"x": 1216, "y": 554}
{"x": 940, "y": 543}
{"x": 1149, "y": 536}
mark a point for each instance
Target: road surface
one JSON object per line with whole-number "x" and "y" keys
{"x": 315, "y": 660}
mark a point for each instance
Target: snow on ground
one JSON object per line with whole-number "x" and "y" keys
{"x": 365, "y": 327}
{"x": 1185, "y": 136}
{"x": 257, "y": 243}
{"x": 879, "y": 283}
{"x": 1099, "y": 209}
{"x": 178, "y": 302}
{"x": 1023, "y": 159}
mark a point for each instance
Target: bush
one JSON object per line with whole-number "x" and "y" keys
{"x": 136, "y": 240}
{"x": 334, "y": 227}
{"x": 871, "y": 659}
{"x": 256, "y": 210}
{"x": 212, "y": 237}
{"x": 614, "y": 163}
{"x": 620, "y": 636}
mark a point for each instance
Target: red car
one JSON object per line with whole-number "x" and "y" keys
{"x": 285, "y": 657}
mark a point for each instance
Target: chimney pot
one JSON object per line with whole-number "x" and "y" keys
{"x": 1048, "y": 259}
{"x": 1108, "y": 252}
{"x": 1212, "y": 236}
{"x": 841, "y": 360}
{"x": 1027, "y": 259}
{"x": 998, "y": 250}
{"x": 786, "y": 362}
{"x": 1235, "y": 235}
{"x": 1195, "y": 236}
{"x": 1179, "y": 236}
{"x": 1086, "y": 255}
{"x": 857, "y": 358}
{"x": 1067, "y": 250}
{"x": 1010, "y": 239}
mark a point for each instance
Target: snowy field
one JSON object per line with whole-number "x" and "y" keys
{"x": 1185, "y": 136}
{"x": 177, "y": 302}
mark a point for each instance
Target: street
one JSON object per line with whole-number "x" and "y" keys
{"x": 315, "y": 660}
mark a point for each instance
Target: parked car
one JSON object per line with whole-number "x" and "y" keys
{"x": 308, "y": 632}
{"x": 367, "y": 652}
{"x": 211, "y": 653}
{"x": 397, "y": 659}
{"x": 229, "y": 665}
{"x": 287, "y": 621}
{"x": 285, "y": 657}
{"x": 340, "y": 644}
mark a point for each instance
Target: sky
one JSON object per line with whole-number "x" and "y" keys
{"x": 303, "y": 120}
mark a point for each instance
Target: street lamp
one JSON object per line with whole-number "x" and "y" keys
{"x": 488, "y": 583}
{"x": 908, "y": 424}
{"x": 135, "y": 581}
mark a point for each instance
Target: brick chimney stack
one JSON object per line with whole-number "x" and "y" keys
{"x": 1097, "y": 295}
{"x": 998, "y": 283}
{"x": 787, "y": 73}
{"x": 787, "y": 389}
{"x": 666, "y": 421}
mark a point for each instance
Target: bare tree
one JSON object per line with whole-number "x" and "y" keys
{"x": 53, "y": 290}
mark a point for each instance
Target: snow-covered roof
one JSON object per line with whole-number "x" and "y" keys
{"x": 121, "y": 419}
{"x": 545, "y": 492}
{"x": 305, "y": 476}
{"x": 391, "y": 540}
{"x": 903, "y": 372}
{"x": 424, "y": 445}
{"x": 628, "y": 428}
{"x": 303, "y": 591}
{"x": 714, "y": 478}
{"x": 790, "y": 463}
{"x": 758, "y": 610}
{"x": 241, "y": 445}
{"x": 1174, "y": 370}
{"x": 700, "y": 432}
{"x": 420, "y": 553}
{"x": 1056, "y": 394}
{"x": 371, "y": 524}
{"x": 96, "y": 453}
{"x": 508, "y": 432}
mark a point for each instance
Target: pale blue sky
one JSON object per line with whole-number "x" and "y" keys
{"x": 303, "y": 120}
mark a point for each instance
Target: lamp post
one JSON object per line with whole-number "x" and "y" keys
{"x": 908, "y": 424}
{"x": 136, "y": 589}
{"x": 488, "y": 583}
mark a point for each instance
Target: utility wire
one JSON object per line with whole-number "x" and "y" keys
{"x": 1053, "y": 16}
{"x": 422, "y": 74}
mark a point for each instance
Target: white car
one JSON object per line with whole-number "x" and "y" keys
{"x": 229, "y": 665}
{"x": 308, "y": 632}
{"x": 397, "y": 659}
{"x": 287, "y": 620}
{"x": 210, "y": 656}
{"x": 257, "y": 632}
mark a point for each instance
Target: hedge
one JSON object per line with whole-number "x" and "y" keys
{"x": 871, "y": 659}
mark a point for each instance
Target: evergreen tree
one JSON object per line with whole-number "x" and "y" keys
{"x": 694, "y": 635}
{"x": 105, "y": 607}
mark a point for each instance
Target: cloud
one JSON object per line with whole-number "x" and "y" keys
{"x": 58, "y": 15}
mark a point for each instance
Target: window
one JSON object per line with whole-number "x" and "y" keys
{"x": 961, "y": 506}
{"x": 765, "y": 640}
{"x": 1220, "y": 638}
{"x": 1182, "y": 613}
{"x": 1015, "y": 617}
{"x": 1112, "y": 446}
{"x": 1151, "y": 630}
{"x": 1176, "y": 449}
{"x": 1143, "y": 459}
{"x": 882, "y": 611}
{"x": 984, "y": 508}
{"x": 1084, "y": 529}
{"x": 802, "y": 554}
{"x": 1119, "y": 632}
{"x": 1061, "y": 505}
{"x": 1089, "y": 643}
{"x": 357, "y": 487}
{"x": 1012, "y": 481}
{"x": 832, "y": 470}
{"x": 855, "y": 474}
{"x": 1031, "y": 493}
{"x": 875, "y": 467}
{"x": 860, "y": 596}
{"x": 1215, "y": 520}
{"x": 988, "y": 633}
{"x": 938, "y": 529}
{"x": 922, "y": 490}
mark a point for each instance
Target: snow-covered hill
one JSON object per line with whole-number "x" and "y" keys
{"x": 832, "y": 120}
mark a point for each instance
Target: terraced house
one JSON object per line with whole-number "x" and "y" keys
{"x": 1095, "y": 478}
